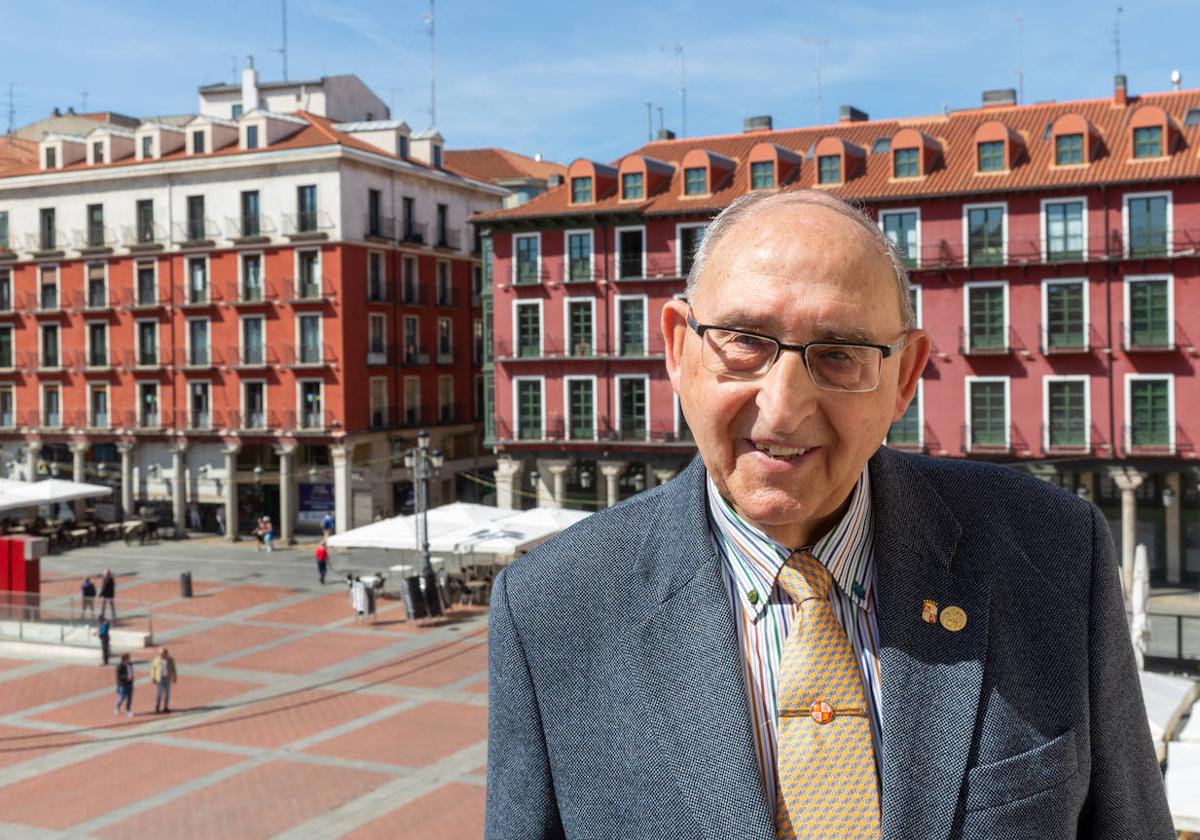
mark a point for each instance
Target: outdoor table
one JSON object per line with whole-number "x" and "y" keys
{"x": 79, "y": 536}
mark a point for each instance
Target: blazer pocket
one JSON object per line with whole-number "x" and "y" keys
{"x": 1019, "y": 776}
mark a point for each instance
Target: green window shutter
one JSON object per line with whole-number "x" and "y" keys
{"x": 631, "y": 185}
{"x": 580, "y": 404}
{"x": 1068, "y": 149}
{"x": 529, "y": 331}
{"x": 695, "y": 181}
{"x": 991, "y": 156}
{"x": 1068, "y": 414}
{"x": 633, "y": 318}
{"x": 1150, "y": 403}
{"x": 901, "y": 228}
{"x": 1149, "y": 324}
{"x": 905, "y": 164}
{"x": 580, "y": 322}
{"x": 829, "y": 169}
{"x": 1148, "y": 226}
{"x": 529, "y": 410}
{"x": 907, "y": 430}
{"x": 1064, "y": 316}
{"x": 985, "y": 235}
{"x": 762, "y": 175}
{"x": 527, "y": 259}
{"x": 1147, "y": 142}
{"x": 579, "y": 248}
{"x": 633, "y": 409}
{"x": 987, "y": 414}
{"x": 1064, "y": 231}
{"x": 986, "y": 313}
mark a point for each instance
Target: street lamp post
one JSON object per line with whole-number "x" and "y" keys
{"x": 422, "y": 463}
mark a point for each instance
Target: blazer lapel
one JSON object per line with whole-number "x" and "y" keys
{"x": 931, "y": 675}
{"x": 685, "y": 668}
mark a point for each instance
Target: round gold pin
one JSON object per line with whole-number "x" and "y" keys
{"x": 953, "y": 618}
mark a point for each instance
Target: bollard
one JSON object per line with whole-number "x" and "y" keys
{"x": 185, "y": 585}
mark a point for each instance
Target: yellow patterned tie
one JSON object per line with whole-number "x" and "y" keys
{"x": 828, "y": 787}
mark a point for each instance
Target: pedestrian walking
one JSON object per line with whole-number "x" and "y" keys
{"x": 322, "y": 554}
{"x": 194, "y": 518}
{"x": 108, "y": 589}
{"x": 162, "y": 674}
{"x": 124, "y": 685}
{"x": 268, "y": 534}
{"x": 221, "y": 521}
{"x": 327, "y": 524}
{"x": 87, "y": 597}
{"x": 102, "y": 632}
{"x": 258, "y": 533}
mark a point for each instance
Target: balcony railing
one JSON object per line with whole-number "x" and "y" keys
{"x": 186, "y": 418}
{"x": 307, "y": 223}
{"x": 249, "y": 227}
{"x": 251, "y": 420}
{"x": 1073, "y": 342}
{"x": 264, "y": 355}
{"x": 94, "y": 238}
{"x": 1073, "y": 437}
{"x": 148, "y": 236}
{"x": 188, "y": 295}
{"x": 414, "y": 233}
{"x": 1162, "y": 339}
{"x": 379, "y": 227}
{"x": 45, "y": 242}
{"x": 380, "y": 354}
{"x": 140, "y": 359}
{"x": 193, "y": 232}
{"x": 313, "y": 420}
{"x": 990, "y": 440}
{"x": 379, "y": 290}
{"x": 975, "y": 343}
{"x": 308, "y": 355}
{"x": 449, "y": 238}
{"x": 415, "y": 356}
{"x": 200, "y": 358}
{"x": 308, "y": 291}
{"x": 411, "y": 293}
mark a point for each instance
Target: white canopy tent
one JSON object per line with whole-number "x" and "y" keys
{"x": 15, "y": 495}
{"x": 511, "y": 535}
{"x": 400, "y": 532}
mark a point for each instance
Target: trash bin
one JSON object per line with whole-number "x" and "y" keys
{"x": 185, "y": 585}
{"x": 433, "y": 600}
{"x": 414, "y": 598}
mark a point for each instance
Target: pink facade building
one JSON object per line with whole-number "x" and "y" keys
{"x": 1054, "y": 251}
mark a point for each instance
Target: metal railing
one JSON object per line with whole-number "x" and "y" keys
{"x": 1169, "y": 338}
{"x": 67, "y": 620}
{"x": 376, "y": 226}
{"x": 308, "y": 355}
{"x": 248, "y": 227}
{"x": 133, "y": 236}
{"x": 196, "y": 231}
{"x": 1174, "y": 643}
{"x": 307, "y": 222}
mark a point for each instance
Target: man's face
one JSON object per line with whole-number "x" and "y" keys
{"x": 797, "y": 273}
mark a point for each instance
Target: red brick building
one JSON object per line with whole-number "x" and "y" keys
{"x": 249, "y": 309}
{"x": 1054, "y": 257}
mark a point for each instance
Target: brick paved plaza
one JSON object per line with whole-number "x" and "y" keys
{"x": 289, "y": 718}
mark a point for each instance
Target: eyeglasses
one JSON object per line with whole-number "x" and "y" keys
{"x": 833, "y": 365}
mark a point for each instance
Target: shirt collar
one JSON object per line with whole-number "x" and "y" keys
{"x": 754, "y": 559}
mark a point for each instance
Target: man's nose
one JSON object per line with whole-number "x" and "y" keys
{"x": 786, "y": 394}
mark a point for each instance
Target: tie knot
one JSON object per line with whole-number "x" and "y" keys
{"x": 804, "y": 577}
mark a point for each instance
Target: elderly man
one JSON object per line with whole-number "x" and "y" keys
{"x": 806, "y": 634}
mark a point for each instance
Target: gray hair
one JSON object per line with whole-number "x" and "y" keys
{"x": 755, "y": 202}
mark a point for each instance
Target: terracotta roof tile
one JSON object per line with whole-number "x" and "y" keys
{"x": 954, "y": 173}
{"x": 495, "y": 164}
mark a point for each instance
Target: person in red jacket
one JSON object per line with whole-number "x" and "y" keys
{"x": 322, "y": 554}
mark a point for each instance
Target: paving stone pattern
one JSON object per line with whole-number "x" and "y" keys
{"x": 290, "y": 719}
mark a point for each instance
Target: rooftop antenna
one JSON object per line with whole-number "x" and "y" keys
{"x": 818, "y": 43}
{"x": 649, "y": 122}
{"x": 660, "y": 118}
{"x": 12, "y": 109}
{"x": 1020, "y": 58}
{"x": 83, "y": 97}
{"x": 282, "y": 50}
{"x": 429, "y": 19}
{"x": 1176, "y": 80}
{"x": 1116, "y": 38}
{"x": 682, "y": 88}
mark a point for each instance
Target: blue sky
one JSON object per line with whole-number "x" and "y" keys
{"x": 571, "y": 78}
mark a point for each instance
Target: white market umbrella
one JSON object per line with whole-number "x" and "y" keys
{"x": 400, "y": 532}
{"x": 511, "y": 535}
{"x": 1139, "y": 598}
{"x": 22, "y": 494}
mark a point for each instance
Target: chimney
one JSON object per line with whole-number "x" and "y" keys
{"x": 999, "y": 97}
{"x": 1120, "y": 87}
{"x": 665, "y": 134}
{"x": 56, "y": 113}
{"x": 763, "y": 122}
{"x": 70, "y": 110}
{"x": 249, "y": 86}
{"x": 850, "y": 114}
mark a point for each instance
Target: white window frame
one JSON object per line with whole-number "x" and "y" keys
{"x": 137, "y": 265}
{"x": 404, "y": 336}
{"x": 241, "y": 274}
{"x": 137, "y": 347}
{"x": 300, "y": 383}
{"x": 1126, "y": 322}
{"x": 91, "y": 415}
{"x": 241, "y": 360}
{"x": 6, "y": 278}
{"x": 919, "y": 396}
{"x": 1087, "y": 315}
{"x": 192, "y": 383}
{"x": 1170, "y": 196}
{"x": 966, "y": 230}
{"x": 537, "y": 236}
{"x": 87, "y": 266}
{"x": 1045, "y": 240}
{"x": 443, "y": 378}
{"x": 372, "y": 383}
{"x": 320, "y": 269}
{"x": 566, "y": 398}
{"x": 899, "y": 211}
{"x": 42, "y": 346}
{"x": 679, "y": 228}
{"x": 968, "y": 381}
{"x": 1130, "y": 378}
{"x": 645, "y": 299}
{"x": 87, "y": 340}
{"x": 404, "y": 396}
{"x": 374, "y": 318}
{"x": 320, "y": 333}
{"x": 443, "y": 268}
{"x": 449, "y": 322}
{"x": 983, "y": 284}
{"x": 374, "y": 253}
{"x": 142, "y": 385}
{"x": 516, "y": 323}
{"x": 187, "y": 279}
{"x": 12, "y": 390}
{"x": 617, "y": 251}
{"x": 591, "y": 235}
{"x": 645, "y": 377}
{"x": 415, "y": 274}
{"x": 569, "y": 348}
{"x": 516, "y": 406}
{"x": 1047, "y": 381}
{"x": 918, "y": 304}
{"x": 242, "y": 401}
{"x": 187, "y": 337}
{"x": 58, "y": 296}
{"x": 43, "y": 387}
{"x": 12, "y": 344}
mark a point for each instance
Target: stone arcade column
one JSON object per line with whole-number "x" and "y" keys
{"x": 230, "y": 450}
{"x": 340, "y": 456}
{"x": 663, "y": 474}
{"x": 79, "y": 450}
{"x": 33, "y": 448}
{"x": 179, "y": 449}
{"x": 126, "y": 448}
{"x": 552, "y": 482}
{"x": 1128, "y": 480}
{"x": 287, "y": 505}
{"x": 611, "y": 470}
{"x": 508, "y": 480}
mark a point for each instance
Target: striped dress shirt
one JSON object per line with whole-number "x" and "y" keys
{"x": 763, "y": 613}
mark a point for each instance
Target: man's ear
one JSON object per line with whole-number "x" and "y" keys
{"x": 674, "y": 331}
{"x": 913, "y": 358}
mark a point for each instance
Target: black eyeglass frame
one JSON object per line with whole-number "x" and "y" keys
{"x": 885, "y": 350}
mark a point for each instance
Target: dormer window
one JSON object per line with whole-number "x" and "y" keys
{"x": 991, "y": 156}
{"x": 1147, "y": 141}
{"x": 437, "y": 156}
{"x": 98, "y": 152}
{"x": 631, "y": 186}
{"x": 251, "y": 137}
{"x": 51, "y": 157}
{"x": 829, "y": 169}
{"x": 695, "y": 181}
{"x": 581, "y": 190}
{"x": 762, "y": 175}
{"x": 197, "y": 142}
{"x": 906, "y": 163}
{"x": 402, "y": 147}
{"x": 147, "y": 147}
{"x": 1068, "y": 149}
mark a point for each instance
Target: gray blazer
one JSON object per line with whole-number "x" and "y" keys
{"x": 617, "y": 707}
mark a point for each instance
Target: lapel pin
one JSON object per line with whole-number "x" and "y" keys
{"x": 929, "y": 611}
{"x": 954, "y": 619}
{"x": 752, "y": 596}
